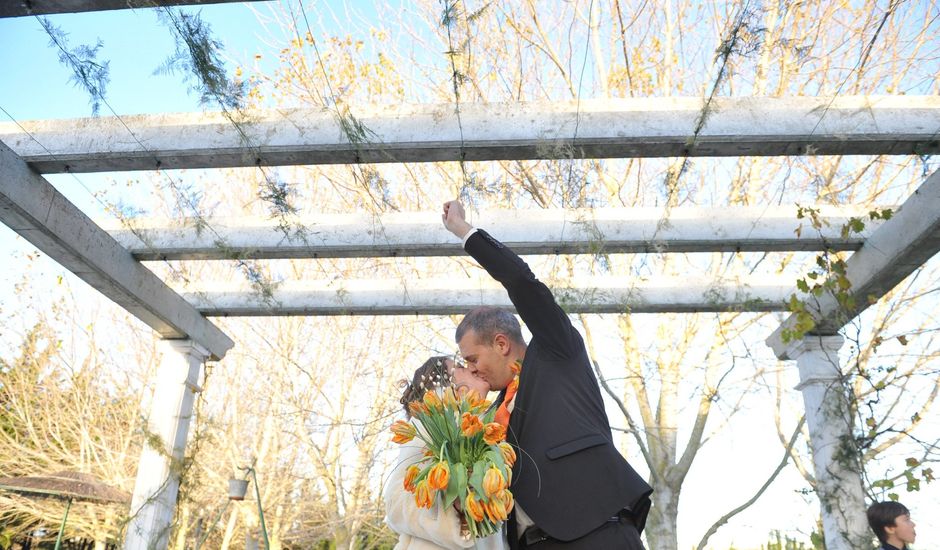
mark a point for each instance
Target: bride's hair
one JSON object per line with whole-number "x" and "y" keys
{"x": 432, "y": 374}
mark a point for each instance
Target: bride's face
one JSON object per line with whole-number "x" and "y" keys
{"x": 465, "y": 381}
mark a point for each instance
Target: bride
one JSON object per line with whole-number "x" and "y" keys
{"x": 437, "y": 527}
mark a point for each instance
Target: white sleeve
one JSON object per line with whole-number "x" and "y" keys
{"x": 467, "y": 236}
{"x": 442, "y": 527}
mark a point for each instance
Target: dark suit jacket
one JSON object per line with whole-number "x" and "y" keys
{"x": 569, "y": 478}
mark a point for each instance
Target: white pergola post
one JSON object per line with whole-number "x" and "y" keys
{"x": 829, "y": 420}
{"x": 158, "y": 472}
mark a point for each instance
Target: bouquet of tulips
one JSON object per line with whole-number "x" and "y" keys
{"x": 467, "y": 461}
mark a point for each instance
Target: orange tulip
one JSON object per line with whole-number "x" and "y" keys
{"x": 432, "y": 401}
{"x": 417, "y": 407}
{"x": 493, "y": 433}
{"x": 470, "y": 424}
{"x": 474, "y": 507}
{"x": 493, "y": 481}
{"x": 404, "y": 431}
{"x": 439, "y": 476}
{"x": 424, "y": 494}
{"x": 516, "y": 367}
{"x": 509, "y": 455}
{"x": 410, "y": 474}
{"x": 513, "y": 386}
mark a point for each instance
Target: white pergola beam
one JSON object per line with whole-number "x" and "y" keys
{"x": 607, "y": 230}
{"x": 892, "y": 252}
{"x": 609, "y": 128}
{"x": 447, "y": 297}
{"x": 32, "y": 207}
{"x": 19, "y": 8}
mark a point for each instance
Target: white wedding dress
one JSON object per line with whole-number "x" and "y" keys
{"x": 422, "y": 528}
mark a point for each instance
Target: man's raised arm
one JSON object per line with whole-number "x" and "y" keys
{"x": 533, "y": 300}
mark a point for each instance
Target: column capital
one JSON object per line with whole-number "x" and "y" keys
{"x": 817, "y": 358}
{"x": 828, "y": 343}
{"x": 188, "y": 347}
{"x": 194, "y": 358}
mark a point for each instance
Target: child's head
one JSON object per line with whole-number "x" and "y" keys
{"x": 891, "y": 522}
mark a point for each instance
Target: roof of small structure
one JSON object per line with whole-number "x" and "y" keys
{"x": 65, "y": 485}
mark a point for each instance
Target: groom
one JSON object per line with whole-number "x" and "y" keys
{"x": 572, "y": 487}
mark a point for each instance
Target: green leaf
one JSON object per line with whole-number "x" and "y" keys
{"x": 457, "y": 485}
{"x": 843, "y": 282}
{"x": 893, "y": 496}
{"x": 801, "y": 285}
{"x": 804, "y": 322}
{"x": 912, "y": 462}
{"x": 496, "y": 457}
{"x": 476, "y": 477}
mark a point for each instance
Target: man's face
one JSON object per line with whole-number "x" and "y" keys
{"x": 903, "y": 530}
{"x": 491, "y": 361}
{"x": 465, "y": 381}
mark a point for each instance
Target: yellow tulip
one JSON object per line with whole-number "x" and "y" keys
{"x": 410, "y": 474}
{"x": 495, "y": 510}
{"x": 509, "y": 455}
{"x": 474, "y": 507}
{"x": 473, "y": 398}
{"x": 404, "y": 431}
{"x": 493, "y": 433}
{"x": 508, "y": 501}
{"x": 450, "y": 399}
{"x": 432, "y": 401}
{"x": 424, "y": 494}
{"x": 439, "y": 476}
{"x": 493, "y": 481}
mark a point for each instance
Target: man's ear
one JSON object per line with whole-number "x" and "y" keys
{"x": 502, "y": 344}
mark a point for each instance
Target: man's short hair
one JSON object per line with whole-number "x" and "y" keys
{"x": 487, "y": 322}
{"x": 884, "y": 514}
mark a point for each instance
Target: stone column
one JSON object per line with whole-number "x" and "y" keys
{"x": 158, "y": 472}
{"x": 835, "y": 457}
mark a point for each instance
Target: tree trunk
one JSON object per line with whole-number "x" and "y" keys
{"x": 661, "y": 527}
{"x": 229, "y": 529}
